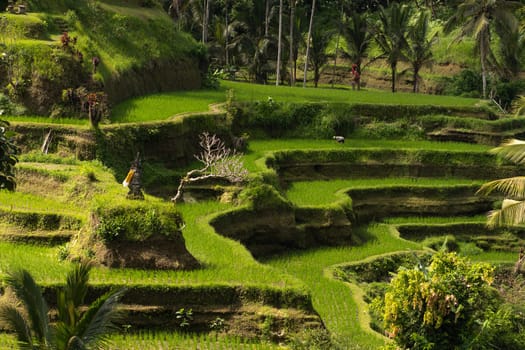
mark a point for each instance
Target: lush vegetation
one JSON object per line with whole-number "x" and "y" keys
{"x": 316, "y": 260}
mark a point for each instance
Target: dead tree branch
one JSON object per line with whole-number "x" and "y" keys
{"x": 218, "y": 161}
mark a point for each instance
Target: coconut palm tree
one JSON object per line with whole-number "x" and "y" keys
{"x": 512, "y": 211}
{"x": 74, "y": 330}
{"x": 249, "y": 41}
{"x": 511, "y": 47}
{"x": 321, "y": 37}
{"x": 391, "y": 35}
{"x": 358, "y": 38}
{"x": 475, "y": 18}
{"x": 419, "y": 50}
{"x": 308, "y": 40}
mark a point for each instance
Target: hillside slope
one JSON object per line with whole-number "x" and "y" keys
{"x": 54, "y": 46}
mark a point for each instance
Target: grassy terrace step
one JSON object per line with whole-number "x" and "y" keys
{"x": 165, "y": 105}
{"x": 322, "y": 192}
{"x": 474, "y": 136}
{"x": 225, "y": 262}
{"x": 297, "y": 165}
{"x": 420, "y": 231}
{"x": 13, "y": 233}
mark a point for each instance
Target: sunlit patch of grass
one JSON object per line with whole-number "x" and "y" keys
{"x": 435, "y": 219}
{"x": 296, "y": 144}
{"x": 325, "y": 192}
{"x": 46, "y": 120}
{"x": 496, "y": 257}
{"x": 165, "y": 105}
{"x": 256, "y": 92}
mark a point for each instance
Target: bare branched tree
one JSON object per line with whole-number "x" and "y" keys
{"x": 218, "y": 161}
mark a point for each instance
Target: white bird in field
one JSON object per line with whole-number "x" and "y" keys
{"x": 339, "y": 139}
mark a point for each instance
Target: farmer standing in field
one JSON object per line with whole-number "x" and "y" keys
{"x": 356, "y": 77}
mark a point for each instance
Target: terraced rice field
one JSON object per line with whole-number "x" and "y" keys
{"x": 340, "y": 305}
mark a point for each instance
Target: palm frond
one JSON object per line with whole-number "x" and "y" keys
{"x": 100, "y": 319}
{"x": 513, "y": 213}
{"x": 518, "y": 105}
{"x": 13, "y": 319}
{"x": 513, "y": 187}
{"x": 77, "y": 283}
{"x": 30, "y": 295}
{"x": 513, "y": 150}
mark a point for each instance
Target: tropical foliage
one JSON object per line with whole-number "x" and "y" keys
{"x": 512, "y": 211}
{"x": 8, "y": 159}
{"x": 448, "y": 305}
{"x": 74, "y": 328}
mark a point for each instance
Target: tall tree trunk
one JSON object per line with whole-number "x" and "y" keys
{"x": 482, "y": 51}
{"x": 267, "y": 19}
{"x": 308, "y": 43}
{"x": 279, "y": 44}
{"x": 393, "y": 67}
{"x": 226, "y": 35}
{"x": 415, "y": 87}
{"x": 205, "y": 20}
{"x": 292, "y": 58}
{"x": 339, "y": 25}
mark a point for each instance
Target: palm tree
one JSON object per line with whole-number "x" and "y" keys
{"x": 512, "y": 46}
{"x": 249, "y": 41}
{"x": 475, "y": 18}
{"x": 419, "y": 49}
{"x": 74, "y": 329}
{"x": 292, "y": 41}
{"x": 321, "y": 37}
{"x": 512, "y": 211}
{"x": 358, "y": 37}
{"x": 391, "y": 35}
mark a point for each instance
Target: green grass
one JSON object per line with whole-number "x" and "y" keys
{"x": 435, "y": 220}
{"x": 47, "y": 120}
{"x": 226, "y": 261}
{"x": 259, "y": 149}
{"x": 326, "y": 192}
{"x": 32, "y": 203}
{"x": 148, "y": 340}
{"x": 165, "y": 105}
{"x": 298, "y": 144}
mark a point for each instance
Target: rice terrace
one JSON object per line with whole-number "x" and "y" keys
{"x": 331, "y": 174}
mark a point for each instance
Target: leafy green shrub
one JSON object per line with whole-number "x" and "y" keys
{"x": 506, "y": 92}
{"x": 467, "y": 83}
{"x": 135, "y": 222}
{"x": 446, "y": 305}
{"x": 7, "y": 107}
{"x": 379, "y": 269}
{"x": 437, "y": 243}
{"x": 469, "y": 249}
{"x": 264, "y": 197}
{"x": 401, "y": 129}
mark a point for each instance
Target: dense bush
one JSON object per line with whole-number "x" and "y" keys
{"x": 134, "y": 221}
{"x": 379, "y": 269}
{"x": 506, "y": 92}
{"x": 467, "y": 83}
{"x": 315, "y": 120}
{"x": 447, "y": 305}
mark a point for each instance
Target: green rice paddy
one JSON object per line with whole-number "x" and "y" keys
{"x": 165, "y": 105}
